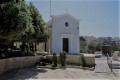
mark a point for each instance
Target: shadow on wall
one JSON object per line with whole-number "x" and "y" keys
{"x": 22, "y": 74}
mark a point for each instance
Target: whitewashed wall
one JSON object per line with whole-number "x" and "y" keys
{"x": 59, "y": 30}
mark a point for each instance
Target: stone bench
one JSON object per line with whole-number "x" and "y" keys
{"x": 113, "y": 64}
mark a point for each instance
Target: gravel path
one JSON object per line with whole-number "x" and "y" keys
{"x": 101, "y": 72}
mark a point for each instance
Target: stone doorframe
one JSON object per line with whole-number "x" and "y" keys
{"x": 69, "y": 36}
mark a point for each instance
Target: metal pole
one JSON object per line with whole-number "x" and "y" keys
{"x": 49, "y": 44}
{"x": 50, "y": 8}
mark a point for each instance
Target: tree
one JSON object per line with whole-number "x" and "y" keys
{"x": 15, "y": 18}
{"x": 91, "y": 47}
{"x": 82, "y": 38}
{"x": 83, "y": 45}
{"x": 36, "y": 33}
{"x": 98, "y": 46}
{"x": 21, "y": 22}
{"x": 116, "y": 47}
{"x": 40, "y": 34}
{"x": 119, "y": 47}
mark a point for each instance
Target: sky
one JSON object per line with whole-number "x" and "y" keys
{"x": 97, "y": 17}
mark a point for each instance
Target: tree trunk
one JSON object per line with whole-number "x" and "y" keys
{"x": 35, "y": 46}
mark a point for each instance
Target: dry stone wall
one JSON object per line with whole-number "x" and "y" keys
{"x": 18, "y": 62}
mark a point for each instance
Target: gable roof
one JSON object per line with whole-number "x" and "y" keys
{"x": 49, "y": 23}
{"x": 63, "y": 15}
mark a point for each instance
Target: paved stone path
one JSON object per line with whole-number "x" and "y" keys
{"x": 103, "y": 69}
{"x": 101, "y": 72}
{"x": 102, "y": 66}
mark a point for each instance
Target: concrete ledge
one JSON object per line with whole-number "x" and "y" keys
{"x": 18, "y": 62}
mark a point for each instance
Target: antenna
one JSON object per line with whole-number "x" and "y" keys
{"x": 50, "y": 8}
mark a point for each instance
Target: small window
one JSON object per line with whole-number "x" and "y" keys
{"x": 66, "y": 24}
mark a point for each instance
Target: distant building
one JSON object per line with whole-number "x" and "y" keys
{"x": 90, "y": 38}
{"x": 109, "y": 40}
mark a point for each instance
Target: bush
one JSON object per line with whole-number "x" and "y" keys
{"x": 62, "y": 58}
{"x": 2, "y": 54}
{"x": 54, "y": 58}
{"x": 83, "y": 61}
{"x": 23, "y": 47}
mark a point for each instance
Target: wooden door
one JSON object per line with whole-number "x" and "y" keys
{"x": 66, "y": 45}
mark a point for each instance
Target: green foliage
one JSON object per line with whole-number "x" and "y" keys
{"x": 98, "y": 46}
{"x": 18, "y": 19}
{"x": 36, "y": 32}
{"x": 21, "y": 22}
{"x": 62, "y": 58}
{"x": 15, "y": 18}
{"x": 91, "y": 47}
{"x": 83, "y": 61}
{"x": 116, "y": 47}
{"x": 83, "y": 45}
{"x": 82, "y": 38}
{"x": 54, "y": 59}
{"x": 38, "y": 23}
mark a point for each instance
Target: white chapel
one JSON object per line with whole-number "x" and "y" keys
{"x": 64, "y": 34}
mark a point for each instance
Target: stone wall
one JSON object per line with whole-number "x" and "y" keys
{"x": 75, "y": 59}
{"x": 21, "y": 62}
{"x": 17, "y": 63}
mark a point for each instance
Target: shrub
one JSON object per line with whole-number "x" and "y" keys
{"x": 62, "y": 58}
{"x": 54, "y": 58}
{"x": 83, "y": 61}
{"x": 23, "y": 47}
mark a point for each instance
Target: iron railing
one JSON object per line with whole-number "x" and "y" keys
{"x": 109, "y": 62}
